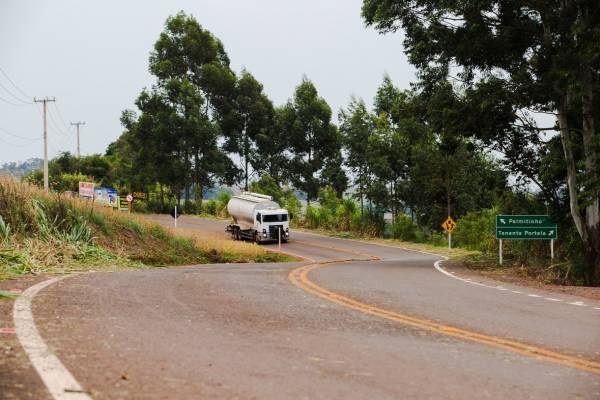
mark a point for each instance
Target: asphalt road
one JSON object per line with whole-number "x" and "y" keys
{"x": 377, "y": 323}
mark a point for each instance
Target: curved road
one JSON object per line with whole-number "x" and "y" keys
{"x": 355, "y": 321}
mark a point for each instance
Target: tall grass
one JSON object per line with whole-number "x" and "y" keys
{"x": 41, "y": 232}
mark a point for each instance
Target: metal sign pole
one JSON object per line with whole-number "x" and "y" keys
{"x": 449, "y": 240}
{"x": 175, "y": 216}
{"x": 279, "y": 240}
{"x": 551, "y": 249}
{"x": 500, "y": 251}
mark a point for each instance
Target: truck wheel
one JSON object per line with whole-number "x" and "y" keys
{"x": 237, "y": 234}
{"x": 256, "y": 238}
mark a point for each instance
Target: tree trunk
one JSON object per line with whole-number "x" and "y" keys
{"x": 392, "y": 204}
{"x": 448, "y": 192}
{"x": 199, "y": 193}
{"x": 162, "y": 198}
{"x": 588, "y": 229}
{"x": 246, "y": 151}
{"x": 592, "y": 211}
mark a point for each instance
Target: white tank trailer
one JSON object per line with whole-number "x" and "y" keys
{"x": 257, "y": 217}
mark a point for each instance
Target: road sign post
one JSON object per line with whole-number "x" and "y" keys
{"x": 175, "y": 216}
{"x": 449, "y": 224}
{"x": 500, "y": 252}
{"x": 129, "y": 199}
{"x": 525, "y": 227}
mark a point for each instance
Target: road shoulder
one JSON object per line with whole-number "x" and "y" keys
{"x": 18, "y": 378}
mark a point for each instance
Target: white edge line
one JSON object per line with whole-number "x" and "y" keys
{"x": 58, "y": 380}
{"x": 437, "y": 264}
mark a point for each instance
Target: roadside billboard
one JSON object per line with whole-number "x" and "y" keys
{"x": 107, "y": 197}
{"x": 86, "y": 189}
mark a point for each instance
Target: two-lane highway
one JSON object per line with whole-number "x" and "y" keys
{"x": 355, "y": 321}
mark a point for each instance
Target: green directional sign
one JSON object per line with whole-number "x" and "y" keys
{"x": 525, "y": 227}
{"x": 524, "y": 221}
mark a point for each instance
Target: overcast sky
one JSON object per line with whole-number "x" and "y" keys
{"x": 93, "y": 57}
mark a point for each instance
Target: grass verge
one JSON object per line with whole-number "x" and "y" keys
{"x": 46, "y": 233}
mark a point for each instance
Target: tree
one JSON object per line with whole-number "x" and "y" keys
{"x": 194, "y": 76}
{"x": 314, "y": 140}
{"x": 178, "y": 137}
{"x": 356, "y": 127}
{"x": 545, "y": 54}
{"x": 333, "y": 174}
{"x": 253, "y": 115}
{"x": 273, "y": 144}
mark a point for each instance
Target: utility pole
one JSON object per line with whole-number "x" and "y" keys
{"x": 45, "y": 101}
{"x": 77, "y": 124}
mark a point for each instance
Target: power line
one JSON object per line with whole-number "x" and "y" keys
{"x": 14, "y": 85}
{"x": 56, "y": 126}
{"x": 18, "y": 136}
{"x": 13, "y": 144}
{"x": 13, "y": 104}
{"x": 60, "y": 116}
{"x": 13, "y": 96}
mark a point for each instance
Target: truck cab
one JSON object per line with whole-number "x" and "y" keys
{"x": 269, "y": 222}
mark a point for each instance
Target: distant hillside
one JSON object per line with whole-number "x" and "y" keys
{"x": 21, "y": 168}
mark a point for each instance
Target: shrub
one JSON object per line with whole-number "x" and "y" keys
{"x": 210, "y": 207}
{"x": 404, "y": 229}
{"x": 191, "y": 207}
{"x": 476, "y": 230}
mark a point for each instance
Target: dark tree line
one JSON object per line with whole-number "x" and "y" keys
{"x": 513, "y": 59}
{"x": 199, "y": 118}
{"x": 202, "y": 124}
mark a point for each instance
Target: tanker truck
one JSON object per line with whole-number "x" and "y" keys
{"x": 257, "y": 217}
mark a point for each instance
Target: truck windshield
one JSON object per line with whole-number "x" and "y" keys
{"x": 275, "y": 218}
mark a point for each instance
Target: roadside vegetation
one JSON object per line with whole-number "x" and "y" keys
{"x": 42, "y": 233}
{"x": 419, "y": 154}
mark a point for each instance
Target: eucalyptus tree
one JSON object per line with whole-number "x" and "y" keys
{"x": 517, "y": 56}
{"x": 195, "y": 80}
{"x": 314, "y": 140}
{"x": 252, "y": 115}
{"x": 273, "y": 146}
{"x": 356, "y": 127}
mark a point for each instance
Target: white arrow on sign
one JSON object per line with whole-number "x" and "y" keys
{"x": 502, "y": 221}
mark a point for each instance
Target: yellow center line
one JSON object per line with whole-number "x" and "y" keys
{"x": 299, "y": 278}
{"x": 340, "y": 249}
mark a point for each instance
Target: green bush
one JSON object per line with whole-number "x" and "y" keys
{"x": 404, "y": 228}
{"x": 476, "y": 230}
{"x": 290, "y": 202}
{"x": 210, "y": 207}
{"x": 191, "y": 207}
{"x": 311, "y": 217}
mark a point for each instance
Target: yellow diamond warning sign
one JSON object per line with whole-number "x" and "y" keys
{"x": 449, "y": 224}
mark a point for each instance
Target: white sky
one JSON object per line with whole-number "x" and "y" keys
{"x": 93, "y": 57}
